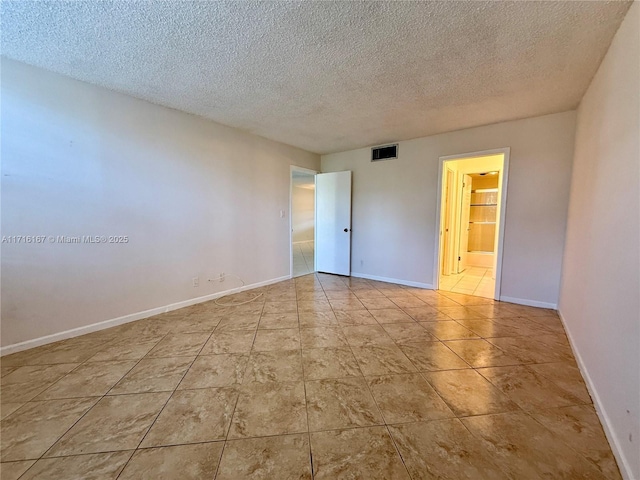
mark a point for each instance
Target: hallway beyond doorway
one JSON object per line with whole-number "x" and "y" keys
{"x": 303, "y": 253}
{"x": 473, "y": 281}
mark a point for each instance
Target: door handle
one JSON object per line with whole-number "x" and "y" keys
{"x": 346, "y": 229}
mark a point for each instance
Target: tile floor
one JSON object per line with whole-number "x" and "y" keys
{"x": 321, "y": 377}
{"x": 303, "y": 262}
{"x": 476, "y": 281}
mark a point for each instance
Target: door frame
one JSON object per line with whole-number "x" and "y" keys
{"x": 295, "y": 168}
{"x": 505, "y": 151}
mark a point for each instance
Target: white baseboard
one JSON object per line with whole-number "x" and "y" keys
{"x": 132, "y": 317}
{"x": 529, "y": 303}
{"x": 623, "y": 464}
{"x": 392, "y": 280}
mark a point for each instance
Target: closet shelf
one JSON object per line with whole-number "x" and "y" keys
{"x": 484, "y": 205}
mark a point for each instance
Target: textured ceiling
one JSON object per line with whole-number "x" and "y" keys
{"x": 326, "y": 76}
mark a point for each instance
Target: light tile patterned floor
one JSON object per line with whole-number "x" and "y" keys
{"x": 303, "y": 258}
{"x": 322, "y": 377}
{"x": 476, "y": 281}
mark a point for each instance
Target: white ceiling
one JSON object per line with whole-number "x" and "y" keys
{"x": 326, "y": 76}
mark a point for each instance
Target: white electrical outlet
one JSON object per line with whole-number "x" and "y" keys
{"x": 196, "y": 281}
{"x": 222, "y": 277}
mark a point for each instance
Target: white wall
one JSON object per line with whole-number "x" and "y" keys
{"x": 600, "y": 291}
{"x": 302, "y": 210}
{"x": 394, "y": 203}
{"x": 194, "y": 197}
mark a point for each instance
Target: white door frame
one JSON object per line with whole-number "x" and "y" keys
{"x": 295, "y": 168}
{"x": 503, "y": 211}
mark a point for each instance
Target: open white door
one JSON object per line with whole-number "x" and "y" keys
{"x": 464, "y": 223}
{"x": 333, "y": 223}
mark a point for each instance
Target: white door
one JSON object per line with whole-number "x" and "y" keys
{"x": 464, "y": 223}
{"x": 333, "y": 223}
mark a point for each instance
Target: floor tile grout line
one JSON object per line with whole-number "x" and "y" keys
{"x": 541, "y": 324}
{"x": 33, "y": 399}
{"x": 567, "y": 444}
{"x": 386, "y": 425}
{"x": 378, "y": 406}
{"x": 450, "y": 406}
{"x": 520, "y": 410}
{"x": 395, "y": 445}
{"x": 304, "y": 385}
{"x": 224, "y": 444}
{"x": 476, "y": 287}
{"x": 198, "y": 354}
{"x": 418, "y": 371}
{"x": 480, "y": 440}
{"x": 226, "y": 438}
{"x": 84, "y": 414}
{"x": 459, "y": 417}
{"x": 421, "y": 373}
{"x": 80, "y": 364}
{"x": 166, "y": 402}
{"x": 245, "y": 370}
{"x": 526, "y": 366}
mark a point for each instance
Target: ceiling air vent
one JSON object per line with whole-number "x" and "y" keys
{"x": 385, "y": 152}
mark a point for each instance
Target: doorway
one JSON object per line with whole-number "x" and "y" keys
{"x": 303, "y": 209}
{"x": 470, "y": 225}
{"x": 320, "y": 222}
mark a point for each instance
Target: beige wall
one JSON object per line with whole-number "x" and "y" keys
{"x": 195, "y": 199}
{"x": 600, "y": 292}
{"x": 394, "y": 204}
